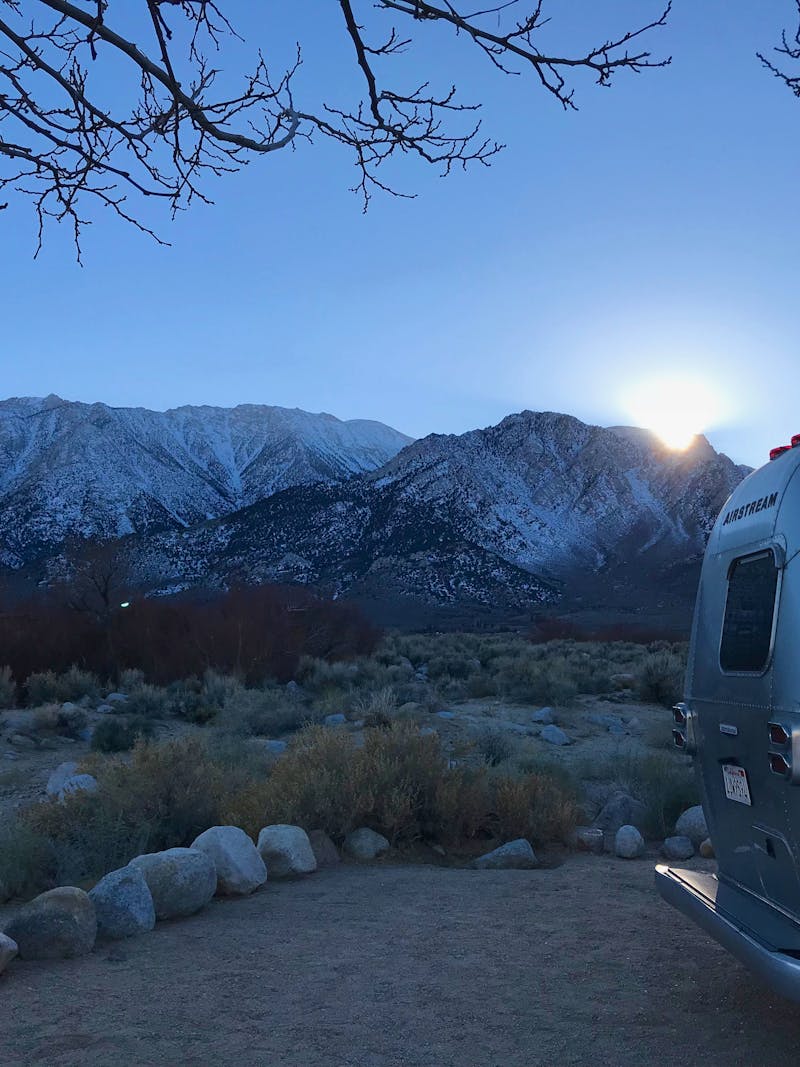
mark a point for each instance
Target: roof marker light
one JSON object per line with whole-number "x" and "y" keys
{"x": 775, "y": 452}
{"x": 796, "y": 440}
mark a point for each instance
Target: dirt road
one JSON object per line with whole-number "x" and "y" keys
{"x": 394, "y": 966}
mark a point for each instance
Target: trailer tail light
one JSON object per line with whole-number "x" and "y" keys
{"x": 779, "y": 764}
{"x": 683, "y": 729}
{"x": 679, "y": 738}
{"x": 778, "y": 734}
{"x": 775, "y": 452}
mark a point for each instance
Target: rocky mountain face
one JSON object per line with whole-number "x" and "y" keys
{"x": 540, "y": 509}
{"x": 93, "y": 471}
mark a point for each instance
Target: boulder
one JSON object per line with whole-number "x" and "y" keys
{"x": 77, "y": 783}
{"x": 240, "y": 868}
{"x": 514, "y": 856}
{"x": 116, "y": 698}
{"x": 55, "y": 783}
{"x": 554, "y": 735}
{"x": 286, "y": 851}
{"x": 706, "y": 849}
{"x": 620, "y": 810}
{"x": 123, "y": 904}
{"x": 181, "y": 880}
{"x": 275, "y": 747}
{"x": 447, "y": 715}
{"x": 58, "y": 924}
{"x": 628, "y": 843}
{"x": 678, "y": 848}
{"x": 8, "y": 950}
{"x": 22, "y": 741}
{"x": 365, "y": 844}
{"x": 105, "y": 709}
{"x": 325, "y": 852}
{"x": 590, "y": 839}
{"x": 692, "y": 824}
{"x": 617, "y": 730}
{"x": 544, "y": 716}
{"x": 335, "y": 720}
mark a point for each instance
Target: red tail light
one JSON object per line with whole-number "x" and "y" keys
{"x": 778, "y": 734}
{"x": 779, "y": 764}
{"x": 679, "y": 739}
{"x": 679, "y": 715}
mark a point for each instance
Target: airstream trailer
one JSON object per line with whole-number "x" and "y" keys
{"x": 741, "y": 723}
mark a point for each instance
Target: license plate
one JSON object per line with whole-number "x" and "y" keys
{"x": 736, "y": 788}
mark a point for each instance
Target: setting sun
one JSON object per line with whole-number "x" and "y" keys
{"x": 676, "y": 410}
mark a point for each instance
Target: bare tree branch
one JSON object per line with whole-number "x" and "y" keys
{"x": 64, "y": 145}
{"x": 789, "y": 49}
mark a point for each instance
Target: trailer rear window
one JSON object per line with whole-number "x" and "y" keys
{"x": 749, "y": 609}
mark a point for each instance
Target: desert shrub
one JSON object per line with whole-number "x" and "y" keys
{"x": 185, "y": 700}
{"x": 311, "y": 785}
{"x": 666, "y": 785}
{"x": 462, "y": 805}
{"x": 535, "y": 806}
{"x": 217, "y": 689}
{"x": 495, "y": 745}
{"x": 8, "y": 688}
{"x": 47, "y": 687}
{"x": 252, "y": 712}
{"x": 538, "y": 682}
{"x": 146, "y": 701}
{"x": 376, "y": 708}
{"x": 660, "y": 678}
{"x": 26, "y": 859}
{"x": 119, "y": 734}
{"x": 130, "y": 678}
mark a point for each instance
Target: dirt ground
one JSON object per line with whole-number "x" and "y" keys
{"x": 409, "y": 966}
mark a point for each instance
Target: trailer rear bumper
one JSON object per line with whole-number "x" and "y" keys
{"x": 747, "y": 927}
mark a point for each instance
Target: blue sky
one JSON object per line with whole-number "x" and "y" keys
{"x": 652, "y": 236}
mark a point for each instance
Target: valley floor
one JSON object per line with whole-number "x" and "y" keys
{"x": 409, "y": 966}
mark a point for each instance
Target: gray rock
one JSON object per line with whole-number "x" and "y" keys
{"x": 240, "y": 868}
{"x": 86, "y": 733}
{"x": 634, "y": 724}
{"x": 292, "y": 687}
{"x": 554, "y": 735}
{"x": 628, "y": 843}
{"x": 9, "y": 949}
{"x": 445, "y": 715}
{"x": 617, "y": 730}
{"x": 365, "y": 844}
{"x": 105, "y": 709}
{"x": 692, "y": 824}
{"x": 335, "y": 720}
{"x": 427, "y": 731}
{"x": 123, "y": 904}
{"x": 590, "y": 839}
{"x": 64, "y": 771}
{"x": 621, "y": 810}
{"x": 11, "y": 755}
{"x": 77, "y": 783}
{"x": 22, "y": 741}
{"x": 58, "y": 924}
{"x": 69, "y": 706}
{"x": 623, "y": 680}
{"x": 678, "y": 848}
{"x": 116, "y": 698}
{"x": 516, "y": 855}
{"x": 286, "y": 851}
{"x": 275, "y": 747}
{"x": 181, "y": 880}
{"x": 544, "y": 715}
{"x": 325, "y": 852}
{"x": 706, "y": 850}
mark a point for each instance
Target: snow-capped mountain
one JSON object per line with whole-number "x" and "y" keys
{"x": 89, "y": 470}
{"x": 539, "y": 508}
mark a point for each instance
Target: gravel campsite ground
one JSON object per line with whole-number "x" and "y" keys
{"x": 392, "y": 965}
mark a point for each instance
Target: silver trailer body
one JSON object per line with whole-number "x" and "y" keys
{"x": 741, "y": 722}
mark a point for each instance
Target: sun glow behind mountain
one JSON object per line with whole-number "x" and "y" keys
{"x": 675, "y": 409}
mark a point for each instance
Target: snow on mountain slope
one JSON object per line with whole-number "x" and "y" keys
{"x": 522, "y": 512}
{"x": 91, "y": 470}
